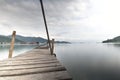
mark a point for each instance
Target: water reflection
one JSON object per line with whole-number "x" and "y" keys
{"x": 18, "y": 49}
{"x": 116, "y": 45}
{"x": 91, "y": 61}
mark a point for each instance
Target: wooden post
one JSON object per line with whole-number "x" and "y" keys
{"x": 52, "y": 46}
{"x": 45, "y": 22}
{"x": 12, "y": 44}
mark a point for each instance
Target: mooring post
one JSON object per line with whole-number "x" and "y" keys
{"x": 12, "y": 44}
{"x": 52, "y": 46}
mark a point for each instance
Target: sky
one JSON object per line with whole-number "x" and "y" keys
{"x": 74, "y": 20}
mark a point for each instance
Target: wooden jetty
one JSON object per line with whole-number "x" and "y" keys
{"x": 37, "y": 64}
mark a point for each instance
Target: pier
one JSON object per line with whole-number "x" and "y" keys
{"x": 36, "y": 64}
{"x": 39, "y": 63}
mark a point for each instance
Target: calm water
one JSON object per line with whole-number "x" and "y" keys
{"x": 85, "y": 61}
{"x": 4, "y": 50}
{"x": 90, "y": 61}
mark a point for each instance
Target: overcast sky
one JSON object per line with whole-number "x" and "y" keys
{"x": 67, "y": 19}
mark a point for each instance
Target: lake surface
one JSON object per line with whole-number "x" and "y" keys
{"x": 19, "y": 49}
{"x": 84, "y": 61}
{"x": 90, "y": 61}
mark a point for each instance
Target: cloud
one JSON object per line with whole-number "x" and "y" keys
{"x": 23, "y": 15}
{"x": 66, "y": 18}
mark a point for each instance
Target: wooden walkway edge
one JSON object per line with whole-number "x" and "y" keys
{"x": 36, "y": 64}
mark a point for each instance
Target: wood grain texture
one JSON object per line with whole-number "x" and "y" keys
{"x": 37, "y": 64}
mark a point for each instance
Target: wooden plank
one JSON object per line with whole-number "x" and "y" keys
{"x": 5, "y": 68}
{"x": 26, "y": 63}
{"x": 18, "y": 72}
{"x": 24, "y": 60}
{"x": 60, "y": 75}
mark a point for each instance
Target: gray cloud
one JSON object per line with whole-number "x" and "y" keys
{"x": 25, "y": 17}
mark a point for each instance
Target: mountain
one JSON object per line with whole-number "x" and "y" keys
{"x": 115, "y": 40}
{"x": 7, "y": 39}
{"x": 23, "y": 39}
{"x": 30, "y": 39}
{"x": 36, "y": 39}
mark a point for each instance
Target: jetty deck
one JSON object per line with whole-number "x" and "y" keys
{"x": 36, "y": 64}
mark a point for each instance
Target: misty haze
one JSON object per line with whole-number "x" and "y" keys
{"x": 59, "y": 40}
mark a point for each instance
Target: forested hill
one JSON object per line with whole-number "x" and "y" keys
{"x": 116, "y": 39}
{"x": 20, "y": 38}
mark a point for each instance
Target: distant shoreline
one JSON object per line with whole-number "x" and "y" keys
{"x": 114, "y": 40}
{"x": 16, "y": 44}
{"x": 62, "y": 42}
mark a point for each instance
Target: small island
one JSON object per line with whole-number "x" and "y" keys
{"x": 114, "y": 40}
{"x": 63, "y": 42}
